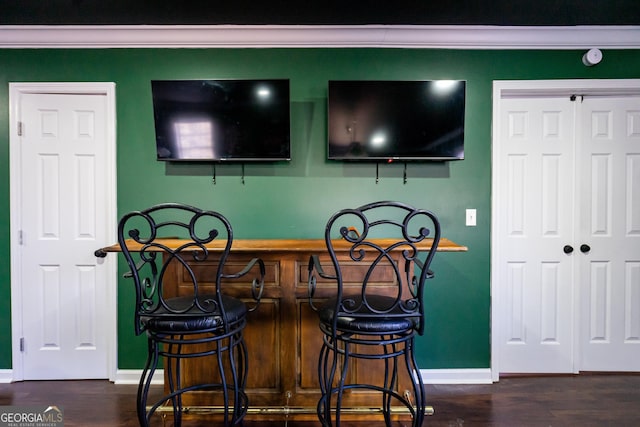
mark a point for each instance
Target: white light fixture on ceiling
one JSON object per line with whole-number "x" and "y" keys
{"x": 592, "y": 57}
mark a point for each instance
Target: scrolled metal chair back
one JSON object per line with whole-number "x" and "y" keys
{"x": 387, "y": 239}
{"x": 144, "y": 236}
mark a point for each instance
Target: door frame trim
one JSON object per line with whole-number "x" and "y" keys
{"x": 517, "y": 88}
{"x": 16, "y": 90}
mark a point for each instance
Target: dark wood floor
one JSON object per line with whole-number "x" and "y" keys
{"x": 584, "y": 400}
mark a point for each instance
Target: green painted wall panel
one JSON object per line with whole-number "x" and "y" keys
{"x": 294, "y": 199}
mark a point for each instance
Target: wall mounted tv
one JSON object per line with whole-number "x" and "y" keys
{"x": 222, "y": 120}
{"x": 396, "y": 120}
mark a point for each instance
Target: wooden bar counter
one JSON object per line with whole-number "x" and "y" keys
{"x": 282, "y": 336}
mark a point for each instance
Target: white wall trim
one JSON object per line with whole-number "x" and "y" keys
{"x": 430, "y": 376}
{"x": 457, "y": 376}
{"x": 288, "y": 36}
{"x": 6, "y": 376}
{"x": 121, "y": 376}
{"x": 132, "y": 376}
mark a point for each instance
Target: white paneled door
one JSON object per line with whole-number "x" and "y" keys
{"x": 566, "y": 231}
{"x": 63, "y": 218}
{"x": 537, "y": 188}
{"x": 609, "y": 245}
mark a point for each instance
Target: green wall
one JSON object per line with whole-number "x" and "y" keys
{"x": 294, "y": 199}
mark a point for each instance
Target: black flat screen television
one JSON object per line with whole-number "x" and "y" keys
{"x": 396, "y": 120}
{"x": 222, "y": 120}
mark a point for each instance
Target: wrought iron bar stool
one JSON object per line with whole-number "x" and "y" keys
{"x": 170, "y": 241}
{"x": 357, "y": 321}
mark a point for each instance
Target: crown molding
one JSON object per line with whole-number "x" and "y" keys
{"x": 294, "y": 36}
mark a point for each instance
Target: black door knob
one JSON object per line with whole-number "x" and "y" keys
{"x": 585, "y": 248}
{"x": 567, "y": 249}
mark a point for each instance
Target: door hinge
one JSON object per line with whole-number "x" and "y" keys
{"x": 21, "y": 344}
{"x": 19, "y": 128}
{"x": 20, "y": 240}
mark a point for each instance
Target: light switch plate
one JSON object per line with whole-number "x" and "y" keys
{"x": 471, "y": 218}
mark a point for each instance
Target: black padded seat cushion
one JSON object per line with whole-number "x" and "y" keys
{"x": 376, "y": 323}
{"x": 193, "y": 320}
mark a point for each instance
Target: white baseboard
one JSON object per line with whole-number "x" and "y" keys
{"x": 6, "y": 376}
{"x": 456, "y": 376}
{"x": 132, "y": 376}
{"x": 429, "y": 376}
{"x": 123, "y": 376}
